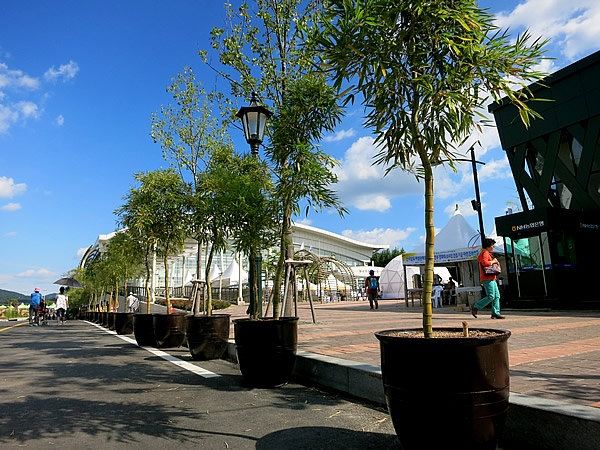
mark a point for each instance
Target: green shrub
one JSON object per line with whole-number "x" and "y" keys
{"x": 187, "y": 304}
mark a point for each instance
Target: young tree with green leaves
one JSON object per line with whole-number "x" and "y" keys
{"x": 254, "y": 213}
{"x": 213, "y": 205}
{"x": 383, "y": 257}
{"x": 124, "y": 254}
{"x": 264, "y": 52}
{"x": 303, "y": 171}
{"x": 188, "y": 132}
{"x": 424, "y": 69}
{"x": 156, "y": 211}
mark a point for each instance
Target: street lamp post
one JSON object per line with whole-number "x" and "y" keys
{"x": 476, "y": 204}
{"x": 254, "y": 119}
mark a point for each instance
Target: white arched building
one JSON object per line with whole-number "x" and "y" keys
{"x": 182, "y": 267}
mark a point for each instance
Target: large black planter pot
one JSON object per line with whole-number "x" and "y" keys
{"x": 207, "y": 336}
{"x": 266, "y": 350}
{"x": 111, "y": 321}
{"x": 104, "y": 319}
{"x": 169, "y": 330}
{"x": 446, "y": 392}
{"x": 124, "y": 323}
{"x": 143, "y": 330}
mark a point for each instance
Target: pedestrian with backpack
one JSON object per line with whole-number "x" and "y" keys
{"x": 34, "y": 308}
{"x": 372, "y": 285}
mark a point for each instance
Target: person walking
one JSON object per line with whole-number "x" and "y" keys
{"x": 62, "y": 304}
{"x": 492, "y": 294}
{"x": 34, "y": 308}
{"x": 372, "y": 285}
{"x": 132, "y": 303}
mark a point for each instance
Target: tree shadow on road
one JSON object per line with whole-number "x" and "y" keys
{"x": 326, "y": 438}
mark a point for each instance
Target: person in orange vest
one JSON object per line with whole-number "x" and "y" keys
{"x": 486, "y": 259}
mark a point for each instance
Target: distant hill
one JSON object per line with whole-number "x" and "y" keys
{"x": 5, "y": 296}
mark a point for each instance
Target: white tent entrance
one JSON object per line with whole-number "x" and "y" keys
{"x": 457, "y": 247}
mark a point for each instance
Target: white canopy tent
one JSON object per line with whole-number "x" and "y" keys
{"x": 392, "y": 281}
{"x": 456, "y": 243}
{"x": 231, "y": 276}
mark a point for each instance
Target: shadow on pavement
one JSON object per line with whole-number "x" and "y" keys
{"x": 61, "y": 417}
{"x": 326, "y": 438}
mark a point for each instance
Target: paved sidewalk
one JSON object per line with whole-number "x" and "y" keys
{"x": 553, "y": 354}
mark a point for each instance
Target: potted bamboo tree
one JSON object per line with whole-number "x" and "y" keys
{"x": 266, "y": 348}
{"x": 195, "y": 142}
{"x": 208, "y": 334}
{"x": 126, "y": 252}
{"x": 425, "y": 71}
{"x": 157, "y": 211}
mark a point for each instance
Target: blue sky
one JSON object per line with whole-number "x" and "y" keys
{"x": 79, "y": 81}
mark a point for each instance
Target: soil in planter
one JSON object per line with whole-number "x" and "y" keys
{"x": 443, "y": 334}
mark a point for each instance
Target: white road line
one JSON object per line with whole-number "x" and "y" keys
{"x": 164, "y": 355}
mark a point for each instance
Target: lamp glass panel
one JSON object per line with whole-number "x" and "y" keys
{"x": 252, "y": 118}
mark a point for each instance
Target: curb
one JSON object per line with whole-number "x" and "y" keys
{"x": 534, "y": 422}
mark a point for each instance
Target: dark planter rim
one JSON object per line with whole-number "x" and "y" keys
{"x": 202, "y": 316}
{"x": 500, "y": 336}
{"x": 266, "y": 320}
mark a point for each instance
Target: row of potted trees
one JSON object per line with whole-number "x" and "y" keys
{"x": 266, "y": 349}
{"x": 421, "y": 68}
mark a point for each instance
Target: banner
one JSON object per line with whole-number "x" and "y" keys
{"x": 464, "y": 254}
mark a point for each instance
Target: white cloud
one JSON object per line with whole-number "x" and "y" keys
{"x": 44, "y": 273}
{"x": 60, "y": 120}
{"x": 389, "y": 236}
{"x": 305, "y": 221}
{"x": 372, "y": 202}
{"x": 11, "y": 207}
{"x": 10, "y": 233}
{"x": 495, "y": 169}
{"x": 16, "y": 79}
{"x": 8, "y": 187}
{"x": 10, "y": 114}
{"x": 28, "y": 109}
{"x": 65, "y": 71}
{"x": 342, "y": 134}
{"x": 363, "y": 185}
{"x": 571, "y": 26}
{"x": 81, "y": 252}
{"x": 465, "y": 207}
{"x": 8, "y": 117}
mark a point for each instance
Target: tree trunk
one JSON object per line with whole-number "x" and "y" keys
{"x": 208, "y": 310}
{"x": 253, "y": 307}
{"x": 116, "y": 296}
{"x": 198, "y": 272}
{"x": 429, "y": 249}
{"x": 286, "y": 250}
{"x": 167, "y": 296}
{"x": 147, "y": 283}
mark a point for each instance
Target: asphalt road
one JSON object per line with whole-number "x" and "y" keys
{"x": 77, "y": 387}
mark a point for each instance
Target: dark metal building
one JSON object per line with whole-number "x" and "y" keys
{"x": 553, "y": 245}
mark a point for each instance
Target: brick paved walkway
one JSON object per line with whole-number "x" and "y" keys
{"x": 553, "y": 355}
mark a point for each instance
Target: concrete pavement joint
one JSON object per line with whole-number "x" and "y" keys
{"x": 164, "y": 355}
